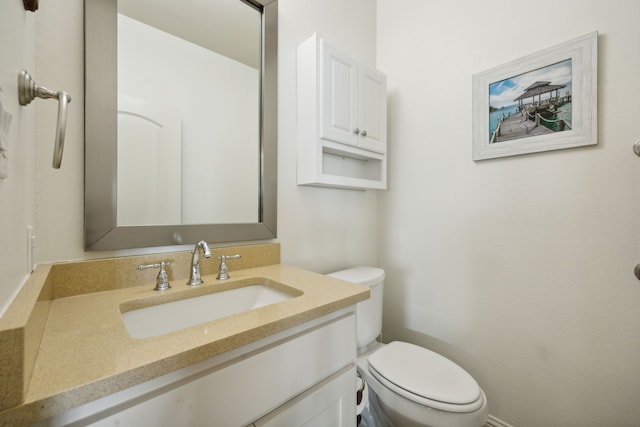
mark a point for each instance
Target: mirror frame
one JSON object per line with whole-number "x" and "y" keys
{"x": 101, "y": 229}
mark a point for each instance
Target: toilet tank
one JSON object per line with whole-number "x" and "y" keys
{"x": 368, "y": 312}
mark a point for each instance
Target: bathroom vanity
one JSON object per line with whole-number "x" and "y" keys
{"x": 284, "y": 379}
{"x": 291, "y": 362}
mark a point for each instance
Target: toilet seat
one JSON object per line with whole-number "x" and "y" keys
{"x": 425, "y": 377}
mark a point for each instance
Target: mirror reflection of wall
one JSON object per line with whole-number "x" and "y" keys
{"x": 188, "y": 120}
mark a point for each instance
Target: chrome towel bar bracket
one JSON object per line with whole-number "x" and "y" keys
{"x": 28, "y": 90}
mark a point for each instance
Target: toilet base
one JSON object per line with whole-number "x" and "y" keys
{"x": 373, "y": 415}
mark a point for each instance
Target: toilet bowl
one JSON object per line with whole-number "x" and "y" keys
{"x": 413, "y": 386}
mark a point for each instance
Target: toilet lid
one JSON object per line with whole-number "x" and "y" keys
{"x": 423, "y": 373}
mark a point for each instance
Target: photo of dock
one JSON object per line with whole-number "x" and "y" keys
{"x": 534, "y": 103}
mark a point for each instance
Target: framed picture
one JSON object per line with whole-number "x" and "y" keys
{"x": 544, "y": 101}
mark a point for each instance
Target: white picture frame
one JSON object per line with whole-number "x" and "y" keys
{"x": 514, "y": 135}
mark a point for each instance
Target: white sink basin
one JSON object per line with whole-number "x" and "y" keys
{"x": 175, "y": 315}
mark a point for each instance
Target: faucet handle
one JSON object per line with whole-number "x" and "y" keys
{"x": 162, "y": 281}
{"x": 223, "y": 273}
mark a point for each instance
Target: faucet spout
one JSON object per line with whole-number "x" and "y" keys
{"x": 195, "y": 278}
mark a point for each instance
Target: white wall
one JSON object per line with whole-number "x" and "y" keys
{"x": 17, "y": 194}
{"x": 321, "y": 229}
{"x": 60, "y": 193}
{"x": 520, "y": 268}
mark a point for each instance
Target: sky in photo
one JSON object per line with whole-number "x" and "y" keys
{"x": 504, "y": 92}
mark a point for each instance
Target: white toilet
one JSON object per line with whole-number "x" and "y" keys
{"x": 412, "y": 385}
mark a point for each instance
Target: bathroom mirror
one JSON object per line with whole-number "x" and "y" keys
{"x": 179, "y": 151}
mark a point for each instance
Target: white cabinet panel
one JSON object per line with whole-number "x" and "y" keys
{"x": 330, "y": 403}
{"x": 339, "y": 96}
{"x": 372, "y": 109}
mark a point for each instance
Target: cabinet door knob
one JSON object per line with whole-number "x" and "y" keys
{"x": 356, "y": 131}
{"x": 364, "y": 133}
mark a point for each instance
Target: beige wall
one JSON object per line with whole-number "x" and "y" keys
{"x": 519, "y": 268}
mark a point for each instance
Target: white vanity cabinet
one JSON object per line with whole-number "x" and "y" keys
{"x": 302, "y": 376}
{"x": 341, "y": 119}
{"x": 321, "y": 406}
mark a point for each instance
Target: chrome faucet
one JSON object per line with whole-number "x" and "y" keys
{"x": 194, "y": 278}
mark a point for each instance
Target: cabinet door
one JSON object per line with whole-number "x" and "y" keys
{"x": 338, "y": 96}
{"x": 372, "y": 118}
{"x": 330, "y": 403}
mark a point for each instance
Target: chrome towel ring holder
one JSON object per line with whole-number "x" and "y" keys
{"x": 28, "y": 90}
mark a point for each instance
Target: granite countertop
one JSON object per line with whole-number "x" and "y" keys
{"x": 86, "y": 353}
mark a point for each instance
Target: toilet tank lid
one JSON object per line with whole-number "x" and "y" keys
{"x": 361, "y": 275}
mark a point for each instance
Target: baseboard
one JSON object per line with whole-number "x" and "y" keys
{"x": 495, "y": 422}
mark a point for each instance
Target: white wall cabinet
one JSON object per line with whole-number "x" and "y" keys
{"x": 341, "y": 119}
{"x": 302, "y": 376}
{"x": 353, "y": 101}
